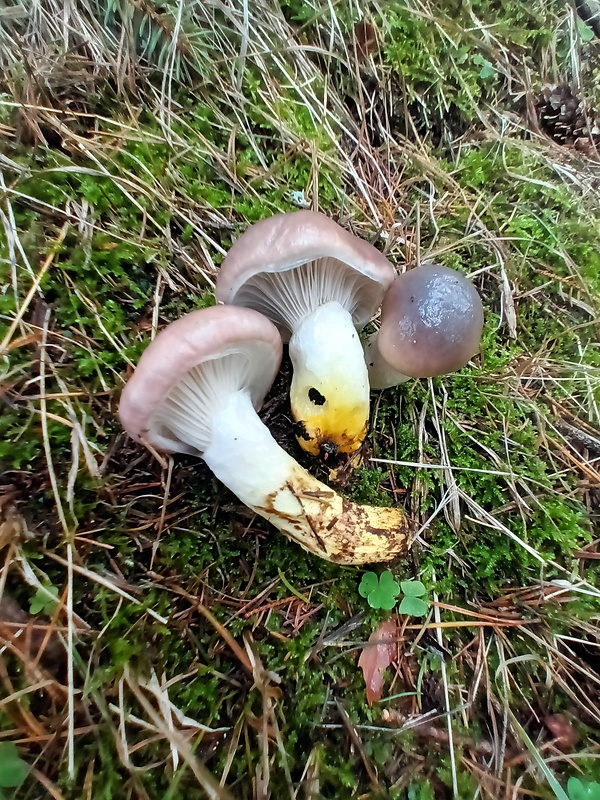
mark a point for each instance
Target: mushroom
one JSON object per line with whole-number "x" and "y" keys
{"x": 196, "y": 390}
{"x": 431, "y": 324}
{"x": 318, "y": 284}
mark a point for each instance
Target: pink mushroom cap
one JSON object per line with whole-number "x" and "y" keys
{"x": 345, "y": 268}
{"x": 201, "y": 337}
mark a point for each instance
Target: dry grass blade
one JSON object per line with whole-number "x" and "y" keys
{"x": 139, "y": 139}
{"x": 34, "y": 288}
{"x": 208, "y": 783}
{"x": 267, "y": 684}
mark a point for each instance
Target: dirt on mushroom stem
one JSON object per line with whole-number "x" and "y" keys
{"x": 334, "y": 466}
{"x": 245, "y": 457}
{"x": 335, "y": 528}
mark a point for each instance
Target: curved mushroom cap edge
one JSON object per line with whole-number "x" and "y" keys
{"x": 192, "y": 339}
{"x": 284, "y": 241}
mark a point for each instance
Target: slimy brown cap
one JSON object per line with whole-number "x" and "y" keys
{"x": 431, "y": 322}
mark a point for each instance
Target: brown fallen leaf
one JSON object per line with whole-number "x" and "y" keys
{"x": 365, "y": 36}
{"x": 376, "y": 657}
{"x": 12, "y": 525}
{"x": 565, "y": 734}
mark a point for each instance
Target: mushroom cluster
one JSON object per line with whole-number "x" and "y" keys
{"x": 196, "y": 390}
{"x": 319, "y": 284}
{"x": 300, "y": 276}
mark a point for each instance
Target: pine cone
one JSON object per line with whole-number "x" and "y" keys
{"x": 563, "y": 116}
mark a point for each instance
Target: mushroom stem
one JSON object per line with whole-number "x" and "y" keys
{"x": 381, "y": 374}
{"x": 245, "y": 457}
{"x": 330, "y": 386}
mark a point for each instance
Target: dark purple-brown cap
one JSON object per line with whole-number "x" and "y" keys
{"x": 245, "y": 343}
{"x": 431, "y": 322}
{"x": 261, "y": 269}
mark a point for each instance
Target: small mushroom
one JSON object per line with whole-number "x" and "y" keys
{"x": 431, "y": 324}
{"x": 318, "y": 284}
{"x": 196, "y": 390}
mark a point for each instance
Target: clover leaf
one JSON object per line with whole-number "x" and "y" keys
{"x": 413, "y": 588}
{"x": 45, "y": 600}
{"x": 381, "y": 592}
{"x": 585, "y": 32}
{"x": 583, "y": 790}
{"x": 13, "y": 770}
{"x": 412, "y": 604}
{"x": 487, "y": 70}
{"x": 368, "y": 584}
{"x": 413, "y": 607}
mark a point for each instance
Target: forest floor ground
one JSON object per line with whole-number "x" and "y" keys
{"x": 157, "y": 640}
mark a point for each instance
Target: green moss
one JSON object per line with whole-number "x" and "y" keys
{"x": 151, "y": 212}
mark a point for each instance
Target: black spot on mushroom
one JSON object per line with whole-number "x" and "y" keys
{"x": 321, "y": 285}
{"x": 162, "y": 397}
{"x": 315, "y": 396}
{"x": 300, "y": 430}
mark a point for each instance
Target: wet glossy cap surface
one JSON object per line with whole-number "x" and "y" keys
{"x": 431, "y": 322}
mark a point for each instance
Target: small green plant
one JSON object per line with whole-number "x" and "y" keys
{"x": 381, "y": 592}
{"x": 413, "y": 603}
{"x": 487, "y": 70}
{"x": 586, "y": 34}
{"x": 45, "y": 600}
{"x": 420, "y": 791}
{"x": 13, "y": 770}
{"x": 583, "y": 790}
